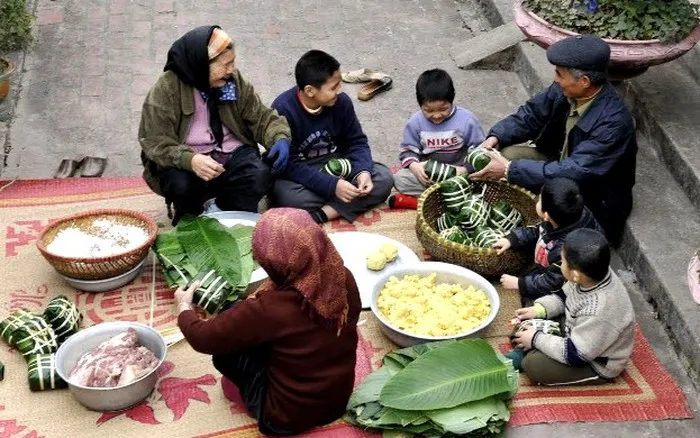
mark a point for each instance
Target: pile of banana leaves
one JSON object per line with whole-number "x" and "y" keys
{"x": 202, "y": 249}
{"x": 441, "y": 389}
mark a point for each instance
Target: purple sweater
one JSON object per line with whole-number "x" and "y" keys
{"x": 334, "y": 132}
{"x": 445, "y": 142}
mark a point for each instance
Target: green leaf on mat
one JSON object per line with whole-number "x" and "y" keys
{"x": 446, "y": 377}
{"x": 207, "y": 244}
{"x": 470, "y": 416}
{"x": 368, "y": 391}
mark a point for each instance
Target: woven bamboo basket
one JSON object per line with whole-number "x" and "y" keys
{"x": 97, "y": 268}
{"x": 485, "y": 261}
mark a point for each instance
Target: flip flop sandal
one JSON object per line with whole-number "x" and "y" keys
{"x": 375, "y": 87}
{"x": 93, "y": 167}
{"x": 362, "y": 75}
{"x": 67, "y": 168}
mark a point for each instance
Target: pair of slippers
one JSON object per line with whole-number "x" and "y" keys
{"x": 85, "y": 167}
{"x": 377, "y": 82}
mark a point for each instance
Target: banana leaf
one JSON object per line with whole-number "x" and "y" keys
{"x": 469, "y": 417}
{"x": 42, "y": 373}
{"x": 368, "y": 391}
{"x": 13, "y": 322}
{"x": 208, "y": 244}
{"x": 446, "y": 377}
{"x": 201, "y": 245}
{"x": 63, "y": 316}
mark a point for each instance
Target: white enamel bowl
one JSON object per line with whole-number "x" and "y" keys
{"x": 446, "y": 273}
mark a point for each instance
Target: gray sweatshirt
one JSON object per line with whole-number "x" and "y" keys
{"x": 446, "y": 142}
{"x": 599, "y": 326}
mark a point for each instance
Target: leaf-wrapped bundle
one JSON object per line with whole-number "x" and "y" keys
{"x": 474, "y": 213}
{"x": 212, "y": 291}
{"x": 504, "y": 217}
{"x": 445, "y": 221}
{"x": 42, "y": 373}
{"x": 439, "y": 172}
{"x": 455, "y": 192}
{"x": 35, "y": 336}
{"x": 13, "y": 322}
{"x": 63, "y": 316}
{"x": 478, "y": 159}
{"x": 340, "y": 167}
{"x": 455, "y": 234}
{"x": 487, "y": 237}
{"x": 544, "y": 325}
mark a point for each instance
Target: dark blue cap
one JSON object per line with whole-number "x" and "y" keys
{"x": 582, "y": 52}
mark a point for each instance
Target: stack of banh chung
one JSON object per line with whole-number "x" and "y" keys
{"x": 38, "y": 336}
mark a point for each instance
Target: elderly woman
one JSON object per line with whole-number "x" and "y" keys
{"x": 289, "y": 348}
{"x": 201, "y": 124}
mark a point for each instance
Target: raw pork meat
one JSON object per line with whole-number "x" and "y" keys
{"x": 115, "y": 362}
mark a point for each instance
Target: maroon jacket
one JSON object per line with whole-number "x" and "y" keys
{"x": 311, "y": 370}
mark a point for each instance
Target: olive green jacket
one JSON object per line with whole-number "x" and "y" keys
{"x": 167, "y": 114}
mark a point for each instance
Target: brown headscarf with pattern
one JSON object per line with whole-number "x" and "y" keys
{"x": 296, "y": 253}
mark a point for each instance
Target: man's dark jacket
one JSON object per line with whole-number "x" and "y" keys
{"x": 602, "y": 151}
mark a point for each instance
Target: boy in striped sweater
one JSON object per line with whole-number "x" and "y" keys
{"x": 440, "y": 131}
{"x": 598, "y": 319}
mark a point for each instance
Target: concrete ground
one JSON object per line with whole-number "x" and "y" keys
{"x": 83, "y": 85}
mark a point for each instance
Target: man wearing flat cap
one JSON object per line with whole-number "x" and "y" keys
{"x": 578, "y": 128}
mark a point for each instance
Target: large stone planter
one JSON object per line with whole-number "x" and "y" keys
{"x": 628, "y": 58}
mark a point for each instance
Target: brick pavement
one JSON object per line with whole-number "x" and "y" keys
{"x": 95, "y": 61}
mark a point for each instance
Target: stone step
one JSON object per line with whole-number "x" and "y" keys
{"x": 691, "y": 62}
{"x": 665, "y": 102}
{"x": 491, "y": 44}
{"x": 660, "y": 238}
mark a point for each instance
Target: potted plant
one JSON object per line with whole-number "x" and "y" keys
{"x": 641, "y": 33}
{"x": 15, "y": 34}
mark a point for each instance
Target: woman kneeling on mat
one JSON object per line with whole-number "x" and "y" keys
{"x": 290, "y": 347}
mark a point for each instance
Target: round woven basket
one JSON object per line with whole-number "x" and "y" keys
{"x": 97, "y": 268}
{"x": 485, "y": 261}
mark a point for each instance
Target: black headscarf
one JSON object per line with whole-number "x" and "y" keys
{"x": 188, "y": 58}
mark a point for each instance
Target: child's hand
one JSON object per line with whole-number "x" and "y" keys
{"x": 418, "y": 170}
{"x": 501, "y": 245}
{"x": 523, "y": 339}
{"x": 526, "y": 313}
{"x": 461, "y": 170}
{"x": 346, "y": 191}
{"x": 509, "y": 281}
{"x": 364, "y": 183}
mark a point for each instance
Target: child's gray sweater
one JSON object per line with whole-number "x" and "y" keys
{"x": 599, "y": 326}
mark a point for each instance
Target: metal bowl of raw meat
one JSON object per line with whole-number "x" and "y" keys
{"x": 112, "y": 398}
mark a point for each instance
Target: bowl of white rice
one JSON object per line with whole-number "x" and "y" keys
{"x": 97, "y": 244}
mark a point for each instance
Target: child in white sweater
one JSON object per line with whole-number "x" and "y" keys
{"x": 599, "y": 319}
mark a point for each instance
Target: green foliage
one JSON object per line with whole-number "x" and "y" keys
{"x": 475, "y": 395}
{"x": 665, "y": 20}
{"x": 15, "y": 26}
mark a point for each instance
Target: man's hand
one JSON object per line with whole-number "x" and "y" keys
{"x": 346, "y": 191}
{"x": 461, "y": 170}
{"x": 280, "y": 150}
{"x": 183, "y": 297}
{"x": 206, "y": 167}
{"x": 501, "y": 246}
{"x": 490, "y": 143}
{"x": 523, "y": 339}
{"x": 364, "y": 183}
{"x": 495, "y": 170}
{"x": 526, "y": 313}
{"x": 418, "y": 169}
{"x": 509, "y": 281}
